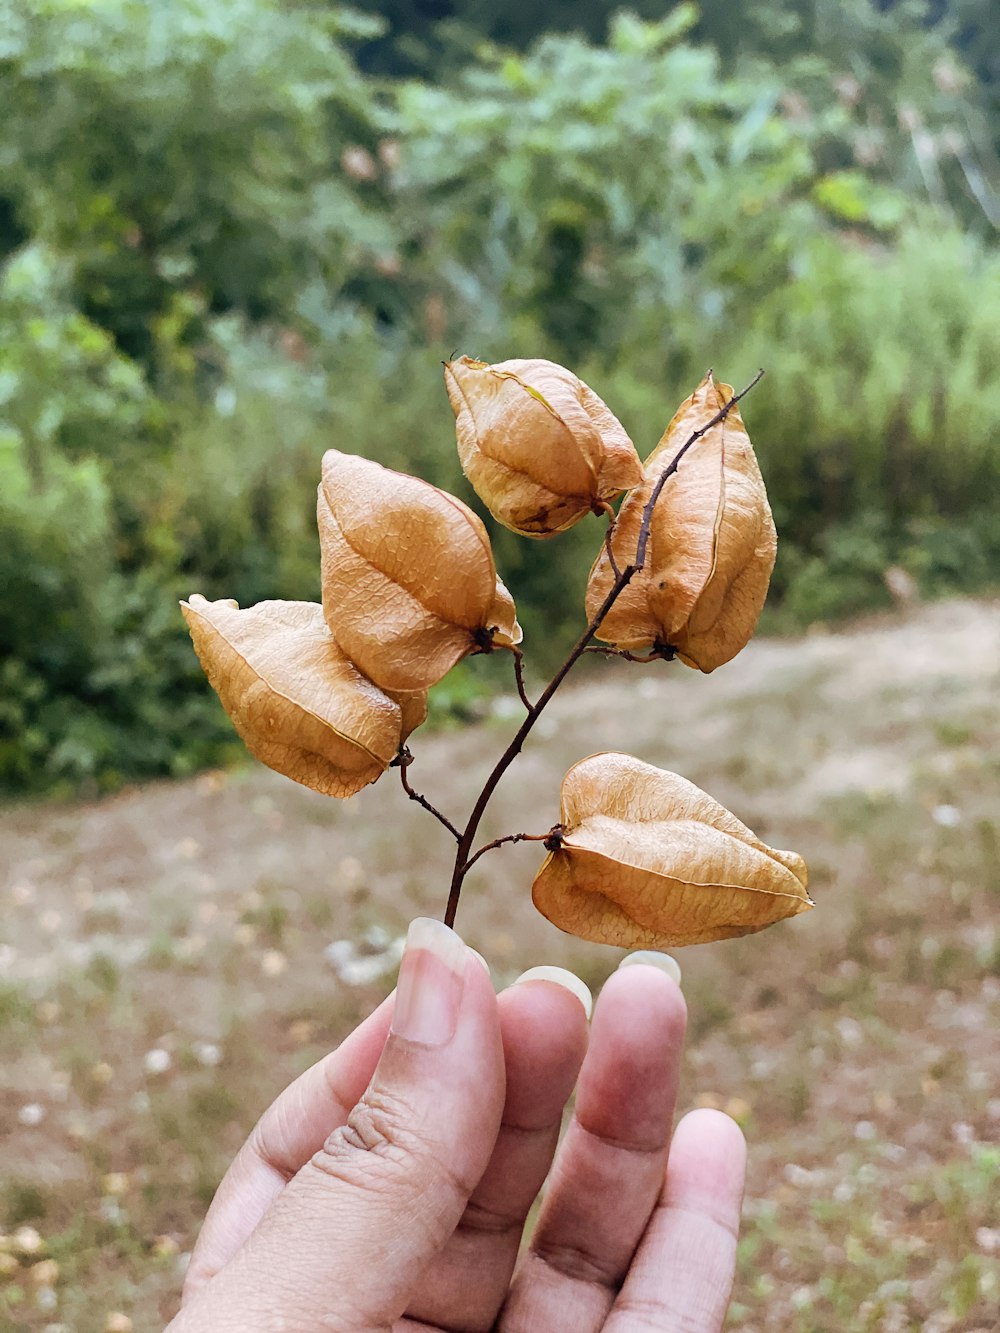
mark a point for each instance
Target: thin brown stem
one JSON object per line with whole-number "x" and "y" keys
{"x": 465, "y": 840}
{"x": 661, "y": 654}
{"x": 510, "y": 837}
{"x": 519, "y": 674}
{"x": 514, "y": 748}
{"x": 402, "y": 761}
{"x": 605, "y": 507}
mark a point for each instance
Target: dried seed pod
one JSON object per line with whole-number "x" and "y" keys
{"x": 711, "y": 545}
{"x": 649, "y": 861}
{"x": 300, "y": 705}
{"x": 539, "y": 446}
{"x": 409, "y": 583}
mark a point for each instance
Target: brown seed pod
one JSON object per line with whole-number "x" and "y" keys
{"x": 301, "y": 707}
{"x": 711, "y": 545}
{"x": 646, "y": 860}
{"x": 409, "y": 583}
{"x": 539, "y": 446}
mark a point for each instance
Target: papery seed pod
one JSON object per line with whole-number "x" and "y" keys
{"x": 539, "y": 446}
{"x": 646, "y": 860}
{"x": 711, "y": 545}
{"x": 409, "y": 583}
{"x": 297, "y": 701}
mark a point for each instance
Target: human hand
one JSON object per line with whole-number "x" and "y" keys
{"x": 387, "y": 1188}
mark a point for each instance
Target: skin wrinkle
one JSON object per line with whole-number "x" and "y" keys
{"x": 478, "y": 1220}
{"x": 376, "y": 1128}
{"x": 575, "y": 1262}
{"x": 267, "y": 1144}
{"x": 703, "y": 1214}
{"x": 285, "y": 1285}
{"x": 272, "y": 1154}
{"x": 622, "y": 1145}
{"x": 578, "y": 1265}
{"x": 257, "y": 1147}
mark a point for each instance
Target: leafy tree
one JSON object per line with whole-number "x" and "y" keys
{"x": 185, "y": 155}
{"x": 919, "y": 80}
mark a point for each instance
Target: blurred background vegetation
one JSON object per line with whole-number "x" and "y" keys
{"x": 234, "y": 233}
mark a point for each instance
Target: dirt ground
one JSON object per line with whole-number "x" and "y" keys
{"x": 166, "y": 967}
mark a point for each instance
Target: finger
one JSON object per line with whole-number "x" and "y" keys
{"x": 288, "y": 1133}
{"x": 608, "y": 1173}
{"x": 347, "y": 1239}
{"x": 543, "y": 1024}
{"x": 682, "y": 1274}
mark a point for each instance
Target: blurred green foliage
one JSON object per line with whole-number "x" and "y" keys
{"x": 235, "y": 232}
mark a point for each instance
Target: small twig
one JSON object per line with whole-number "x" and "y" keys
{"x": 519, "y": 674}
{"x": 606, "y": 508}
{"x": 660, "y": 653}
{"x": 604, "y": 650}
{"x": 512, "y": 837}
{"x": 402, "y": 761}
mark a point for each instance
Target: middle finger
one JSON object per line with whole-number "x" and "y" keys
{"x": 607, "y": 1176}
{"x": 544, "y": 1031}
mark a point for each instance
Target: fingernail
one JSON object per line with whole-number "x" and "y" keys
{"x": 429, "y": 989}
{"x": 650, "y": 958}
{"x": 561, "y": 978}
{"x": 476, "y": 954}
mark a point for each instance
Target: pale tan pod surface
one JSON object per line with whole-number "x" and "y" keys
{"x": 538, "y": 445}
{"x": 408, "y": 574}
{"x": 300, "y": 706}
{"x": 711, "y": 548}
{"x": 621, "y": 468}
{"x": 648, "y": 860}
{"x": 412, "y": 708}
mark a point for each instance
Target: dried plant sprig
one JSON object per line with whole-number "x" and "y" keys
{"x": 328, "y": 695}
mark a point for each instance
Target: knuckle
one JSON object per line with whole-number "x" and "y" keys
{"x": 378, "y": 1127}
{"x": 382, "y": 1123}
{"x": 581, "y": 1265}
{"x": 381, "y": 1144}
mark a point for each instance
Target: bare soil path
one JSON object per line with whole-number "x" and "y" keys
{"x": 165, "y": 968}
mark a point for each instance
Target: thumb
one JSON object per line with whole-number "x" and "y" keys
{"x": 346, "y": 1241}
